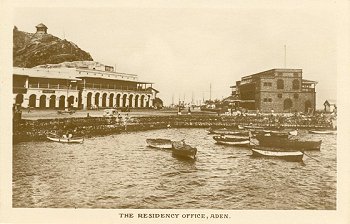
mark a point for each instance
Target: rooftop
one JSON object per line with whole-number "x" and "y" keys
{"x": 41, "y": 25}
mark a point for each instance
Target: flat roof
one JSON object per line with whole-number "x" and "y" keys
{"x": 275, "y": 69}
{"x": 305, "y": 81}
{"x": 46, "y": 73}
{"x": 75, "y": 74}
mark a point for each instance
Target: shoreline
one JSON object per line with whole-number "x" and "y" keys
{"x": 25, "y": 130}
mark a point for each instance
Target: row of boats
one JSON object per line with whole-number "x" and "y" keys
{"x": 263, "y": 143}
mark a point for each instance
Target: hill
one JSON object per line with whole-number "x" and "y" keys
{"x": 32, "y": 49}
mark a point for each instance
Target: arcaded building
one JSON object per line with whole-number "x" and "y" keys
{"x": 277, "y": 90}
{"x": 81, "y": 85}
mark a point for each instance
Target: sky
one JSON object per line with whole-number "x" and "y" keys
{"x": 185, "y": 50}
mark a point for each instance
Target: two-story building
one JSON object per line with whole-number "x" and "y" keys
{"x": 278, "y": 90}
{"x": 82, "y": 84}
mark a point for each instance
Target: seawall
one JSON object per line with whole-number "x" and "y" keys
{"x": 37, "y": 130}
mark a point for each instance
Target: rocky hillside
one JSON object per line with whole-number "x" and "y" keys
{"x": 32, "y": 49}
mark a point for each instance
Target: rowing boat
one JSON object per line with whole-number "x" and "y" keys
{"x": 181, "y": 149}
{"x": 270, "y": 141}
{"x": 65, "y": 140}
{"x": 232, "y": 140}
{"x": 160, "y": 143}
{"x": 225, "y": 131}
{"x": 294, "y": 156}
{"x": 329, "y": 132}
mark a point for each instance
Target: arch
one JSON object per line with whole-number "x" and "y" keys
{"x": 32, "y": 100}
{"x": 296, "y": 84}
{"x": 280, "y": 84}
{"x": 52, "y": 103}
{"x": 42, "y": 102}
{"x": 19, "y": 99}
{"x": 118, "y": 100}
{"x": 111, "y": 96}
{"x": 88, "y": 100}
{"x": 147, "y": 100}
{"x": 104, "y": 99}
{"x": 62, "y": 102}
{"x": 137, "y": 101}
{"x": 308, "y": 105}
{"x": 287, "y": 104}
{"x": 97, "y": 99}
{"x": 142, "y": 100}
{"x": 130, "y": 100}
{"x": 124, "y": 100}
{"x": 70, "y": 101}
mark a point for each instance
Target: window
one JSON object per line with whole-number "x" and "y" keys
{"x": 295, "y": 74}
{"x": 296, "y": 84}
{"x": 296, "y": 96}
{"x": 267, "y": 84}
{"x": 267, "y": 99}
{"x": 280, "y": 84}
{"x": 279, "y": 95}
{"x": 270, "y": 99}
{"x": 288, "y": 104}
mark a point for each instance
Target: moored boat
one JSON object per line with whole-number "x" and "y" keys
{"x": 329, "y": 132}
{"x": 294, "y": 156}
{"x": 159, "y": 143}
{"x": 252, "y": 127}
{"x": 181, "y": 149}
{"x": 65, "y": 139}
{"x": 232, "y": 140}
{"x": 225, "y": 131}
{"x": 292, "y": 144}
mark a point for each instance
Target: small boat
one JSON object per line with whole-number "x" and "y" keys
{"x": 251, "y": 127}
{"x": 294, "y": 156}
{"x": 65, "y": 139}
{"x": 225, "y": 131}
{"x": 329, "y": 132}
{"x": 293, "y": 133}
{"x": 232, "y": 140}
{"x": 288, "y": 143}
{"x": 66, "y": 112}
{"x": 160, "y": 143}
{"x": 181, "y": 149}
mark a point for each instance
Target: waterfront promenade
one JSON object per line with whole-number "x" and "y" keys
{"x": 36, "y": 125}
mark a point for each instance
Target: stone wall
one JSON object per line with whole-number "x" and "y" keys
{"x": 37, "y": 130}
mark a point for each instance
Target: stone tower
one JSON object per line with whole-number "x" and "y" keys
{"x": 41, "y": 29}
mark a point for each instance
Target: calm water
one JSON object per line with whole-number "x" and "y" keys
{"x": 120, "y": 171}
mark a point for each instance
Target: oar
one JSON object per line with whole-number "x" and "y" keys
{"x": 311, "y": 157}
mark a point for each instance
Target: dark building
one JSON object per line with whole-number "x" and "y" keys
{"x": 41, "y": 28}
{"x": 278, "y": 90}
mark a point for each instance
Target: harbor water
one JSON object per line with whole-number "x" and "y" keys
{"x": 121, "y": 171}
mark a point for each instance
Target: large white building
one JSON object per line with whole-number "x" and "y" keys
{"x": 80, "y": 84}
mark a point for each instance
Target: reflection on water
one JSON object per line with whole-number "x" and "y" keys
{"x": 120, "y": 171}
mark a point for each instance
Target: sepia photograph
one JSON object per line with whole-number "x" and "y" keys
{"x": 174, "y": 112}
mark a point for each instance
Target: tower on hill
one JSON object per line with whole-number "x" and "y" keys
{"x": 41, "y": 29}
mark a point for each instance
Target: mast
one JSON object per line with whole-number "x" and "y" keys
{"x": 210, "y": 92}
{"x": 285, "y": 56}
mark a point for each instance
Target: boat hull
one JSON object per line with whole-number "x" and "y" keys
{"x": 159, "y": 143}
{"x": 66, "y": 140}
{"x": 238, "y": 143}
{"x": 235, "y": 140}
{"x": 322, "y": 132}
{"x": 225, "y": 131}
{"x": 180, "y": 149}
{"x": 289, "y": 144}
{"x": 293, "y": 156}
